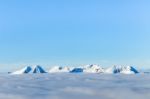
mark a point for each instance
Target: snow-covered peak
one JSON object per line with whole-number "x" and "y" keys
{"x": 113, "y": 69}
{"x": 38, "y": 69}
{"x": 30, "y": 69}
{"x": 93, "y": 66}
{"x": 24, "y": 70}
{"x": 58, "y": 69}
{"x": 121, "y": 69}
{"x": 128, "y": 70}
{"x": 93, "y": 69}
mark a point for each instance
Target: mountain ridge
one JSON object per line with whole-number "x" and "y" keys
{"x": 85, "y": 69}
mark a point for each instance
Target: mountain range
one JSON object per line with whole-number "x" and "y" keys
{"x": 84, "y": 69}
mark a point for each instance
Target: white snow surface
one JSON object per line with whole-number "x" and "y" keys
{"x": 93, "y": 69}
{"x": 58, "y": 69}
{"x": 74, "y": 86}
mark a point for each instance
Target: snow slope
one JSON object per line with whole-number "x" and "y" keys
{"x": 30, "y": 69}
{"x": 121, "y": 69}
{"x": 93, "y": 69}
{"x": 59, "y": 69}
{"x": 26, "y": 69}
{"x": 74, "y": 86}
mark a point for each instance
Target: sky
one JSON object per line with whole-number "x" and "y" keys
{"x": 74, "y": 32}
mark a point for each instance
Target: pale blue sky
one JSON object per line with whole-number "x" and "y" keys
{"x": 74, "y": 32}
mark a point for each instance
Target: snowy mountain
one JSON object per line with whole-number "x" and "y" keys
{"x": 88, "y": 69}
{"x": 121, "y": 69}
{"x": 24, "y": 70}
{"x": 58, "y": 69}
{"x": 30, "y": 69}
{"x": 128, "y": 70}
{"x": 37, "y": 69}
{"x": 93, "y": 69}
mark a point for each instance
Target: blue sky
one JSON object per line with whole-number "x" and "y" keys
{"x": 74, "y": 32}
